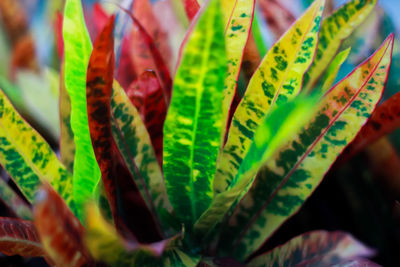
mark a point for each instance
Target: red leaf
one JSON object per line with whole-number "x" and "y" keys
{"x": 277, "y": 17}
{"x": 58, "y": 25}
{"x": 118, "y": 182}
{"x": 147, "y": 96}
{"x": 60, "y": 231}
{"x": 100, "y": 18}
{"x": 384, "y": 120}
{"x": 191, "y": 8}
{"x": 19, "y": 237}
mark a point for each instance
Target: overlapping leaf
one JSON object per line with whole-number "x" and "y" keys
{"x": 334, "y": 30}
{"x": 19, "y": 237}
{"x": 77, "y": 52}
{"x": 147, "y": 96}
{"x": 385, "y": 119}
{"x": 60, "y": 232}
{"x": 277, "y": 80}
{"x": 192, "y": 130}
{"x": 134, "y": 143}
{"x": 28, "y": 158}
{"x": 318, "y": 248}
{"x": 333, "y": 69}
{"x": 273, "y": 132}
{"x": 294, "y": 173}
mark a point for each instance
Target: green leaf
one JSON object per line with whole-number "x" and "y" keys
{"x": 334, "y": 30}
{"x": 133, "y": 141}
{"x": 333, "y": 69}
{"x": 272, "y": 133}
{"x": 192, "y": 130}
{"x": 294, "y": 173}
{"x": 318, "y": 248}
{"x": 27, "y": 157}
{"x": 277, "y": 80}
{"x": 77, "y": 53}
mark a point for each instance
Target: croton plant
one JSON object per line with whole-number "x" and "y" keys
{"x": 172, "y": 166}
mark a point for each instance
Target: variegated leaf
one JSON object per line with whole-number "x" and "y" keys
{"x": 334, "y": 30}
{"x": 333, "y": 69}
{"x": 192, "y": 129}
{"x": 278, "y": 79}
{"x": 294, "y": 173}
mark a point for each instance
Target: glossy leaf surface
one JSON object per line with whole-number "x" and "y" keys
{"x": 292, "y": 175}
{"x": 77, "y": 53}
{"x": 192, "y": 130}
{"x": 334, "y": 30}
{"x": 60, "y": 231}
{"x": 19, "y": 237}
{"x": 318, "y": 248}
{"x": 27, "y": 157}
{"x": 277, "y": 80}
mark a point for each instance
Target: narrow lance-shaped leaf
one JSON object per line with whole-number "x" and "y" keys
{"x": 14, "y": 201}
{"x": 238, "y": 16}
{"x": 192, "y": 130}
{"x": 384, "y": 120}
{"x": 27, "y": 158}
{"x": 60, "y": 232}
{"x": 333, "y": 69}
{"x": 77, "y": 52}
{"x": 277, "y": 80}
{"x": 334, "y": 30}
{"x": 272, "y": 133}
{"x": 318, "y": 248}
{"x": 292, "y": 174}
{"x": 147, "y": 96}
{"x": 100, "y": 76}
{"x": 19, "y": 237}
{"x": 134, "y": 143}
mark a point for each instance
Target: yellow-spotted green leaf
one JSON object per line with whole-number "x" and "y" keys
{"x": 296, "y": 170}
{"x": 27, "y": 157}
{"x": 333, "y": 69}
{"x": 78, "y": 48}
{"x": 334, "y": 30}
{"x": 67, "y": 144}
{"x": 272, "y": 133}
{"x": 278, "y": 79}
{"x": 133, "y": 141}
{"x": 14, "y": 201}
{"x": 192, "y": 129}
{"x": 318, "y": 248}
{"x": 238, "y": 16}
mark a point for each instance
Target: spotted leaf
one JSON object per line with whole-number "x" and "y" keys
{"x": 77, "y": 53}
{"x": 292, "y": 174}
{"x": 384, "y": 120}
{"x": 192, "y": 130}
{"x": 134, "y": 143}
{"x": 334, "y": 30}
{"x": 272, "y": 133}
{"x": 277, "y": 80}
{"x": 318, "y": 248}
{"x": 333, "y": 69}
{"x": 27, "y": 157}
